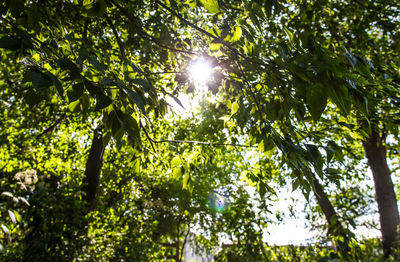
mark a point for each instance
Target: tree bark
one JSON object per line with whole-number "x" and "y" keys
{"x": 335, "y": 227}
{"x": 375, "y": 151}
{"x": 93, "y": 168}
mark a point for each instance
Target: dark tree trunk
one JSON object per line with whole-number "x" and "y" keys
{"x": 335, "y": 227}
{"x": 93, "y": 168}
{"x": 324, "y": 202}
{"x": 375, "y": 151}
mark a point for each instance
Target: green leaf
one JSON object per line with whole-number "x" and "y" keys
{"x": 70, "y": 66}
{"x": 10, "y": 42}
{"x": 186, "y": 178}
{"x": 12, "y": 216}
{"x": 74, "y": 106}
{"x": 75, "y": 92}
{"x": 130, "y": 126}
{"x": 102, "y": 101}
{"x": 56, "y": 83}
{"x": 177, "y": 173}
{"x": 106, "y": 138}
{"x": 98, "y": 8}
{"x": 211, "y": 5}
{"x": 316, "y": 99}
{"x": 236, "y": 34}
{"x": 340, "y": 96}
{"x": 295, "y": 184}
{"x": 136, "y": 99}
{"x": 144, "y": 83}
{"x": 40, "y": 81}
{"x": 234, "y": 108}
{"x": 108, "y": 82}
{"x": 5, "y": 229}
{"x": 32, "y": 98}
{"x": 116, "y": 127}
{"x": 7, "y": 194}
{"x": 177, "y": 101}
{"x": 134, "y": 67}
{"x": 352, "y": 59}
{"x": 96, "y": 64}
{"x": 215, "y": 46}
{"x": 83, "y": 55}
{"x": 289, "y": 34}
{"x": 176, "y": 161}
{"x": 315, "y": 156}
{"x": 16, "y": 7}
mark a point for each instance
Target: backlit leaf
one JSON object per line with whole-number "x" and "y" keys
{"x": 234, "y": 108}
{"x": 211, "y": 5}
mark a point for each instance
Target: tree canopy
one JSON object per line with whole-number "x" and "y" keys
{"x": 97, "y": 164}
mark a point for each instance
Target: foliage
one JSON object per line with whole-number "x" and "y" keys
{"x": 300, "y": 86}
{"x": 368, "y": 251}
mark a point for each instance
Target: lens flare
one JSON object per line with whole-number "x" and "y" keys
{"x": 217, "y": 202}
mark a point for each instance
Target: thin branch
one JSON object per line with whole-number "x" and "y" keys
{"x": 85, "y": 29}
{"x": 249, "y": 87}
{"x": 166, "y": 72}
{"x": 184, "y": 242}
{"x": 146, "y": 35}
{"x": 58, "y": 121}
{"x": 177, "y": 255}
{"x": 201, "y": 30}
{"x": 121, "y": 46}
{"x": 361, "y": 4}
{"x": 33, "y": 37}
{"x": 147, "y": 135}
{"x": 152, "y": 141}
{"x": 215, "y": 38}
{"x": 199, "y": 143}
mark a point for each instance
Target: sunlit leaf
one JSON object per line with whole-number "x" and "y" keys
{"x": 234, "y": 108}
{"x": 211, "y": 5}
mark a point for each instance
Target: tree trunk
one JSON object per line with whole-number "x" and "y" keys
{"x": 375, "y": 151}
{"x": 335, "y": 227}
{"x": 93, "y": 168}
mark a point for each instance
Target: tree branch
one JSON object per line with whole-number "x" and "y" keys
{"x": 184, "y": 242}
{"x": 121, "y": 46}
{"x": 94, "y": 164}
{"x": 249, "y": 87}
{"x": 199, "y": 143}
{"x": 215, "y": 38}
{"x": 146, "y": 35}
{"x": 148, "y": 137}
{"x": 49, "y": 129}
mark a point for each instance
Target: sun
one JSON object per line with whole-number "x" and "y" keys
{"x": 200, "y": 71}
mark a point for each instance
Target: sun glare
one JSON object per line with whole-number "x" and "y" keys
{"x": 200, "y": 71}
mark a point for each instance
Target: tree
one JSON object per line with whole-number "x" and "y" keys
{"x": 307, "y": 55}
{"x": 286, "y": 70}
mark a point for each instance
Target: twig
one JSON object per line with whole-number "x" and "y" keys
{"x": 147, "y": 135}
{"x": 148, "y": 36}
{"x": 199, "y": 142}
{"x": 361, "y": 4}
{"x": 249, "y": 87}
{"x": 152, "y": 141}
{"x": 184, "y": 242}
{"x": 215, "y": 38}
{"x": 121, "y": 46}
{"x": 58, "y": 121}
